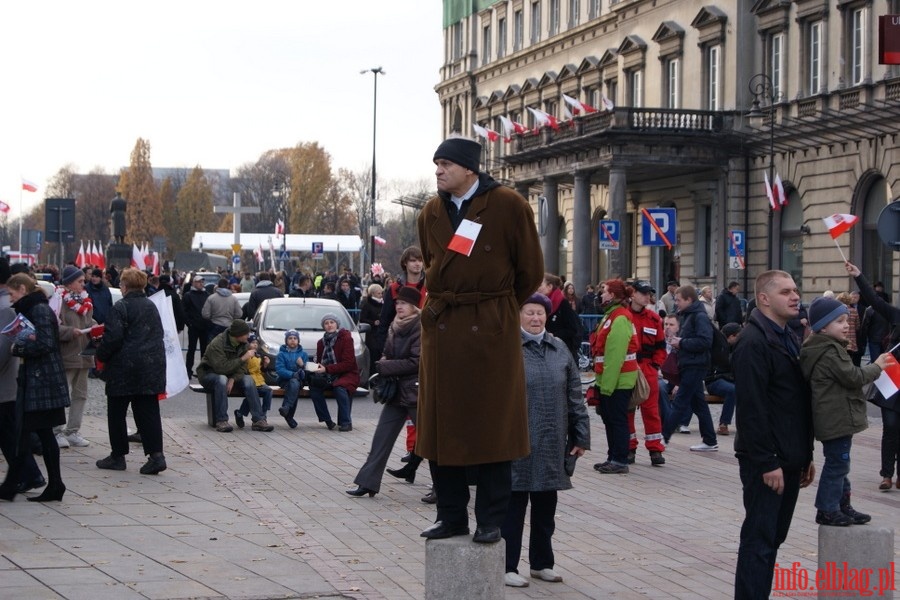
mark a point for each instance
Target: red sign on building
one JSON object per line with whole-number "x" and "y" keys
{"x": 889, "y": 39}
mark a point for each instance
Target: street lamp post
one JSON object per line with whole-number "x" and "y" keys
{"x": 376, "y": 71}
{"x": 762, "y": 88}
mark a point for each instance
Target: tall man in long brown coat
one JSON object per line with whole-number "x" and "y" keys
{"x": 482, "y": 260}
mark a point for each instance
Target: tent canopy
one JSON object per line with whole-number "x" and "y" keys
{"x": 210, "y": 240}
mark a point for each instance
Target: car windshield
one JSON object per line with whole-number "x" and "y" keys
{"x": 302, "y": 317}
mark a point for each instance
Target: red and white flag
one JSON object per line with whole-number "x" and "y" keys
{"x": 29, "y": 186}
{"x": 839, "y": 223}
{"x": 778, "y": 192}
{"x": 464, "y": 239}
{"x": 608, "y": 104}
{"x": 94, "y": 255}
{"x": 259, "y": 254}
{"x": 770, "y": 194}
{"x": 577, "y": 106}
{"x": 488, "y": 134}
{"x": 888, "y": 383}
{"x": 380, "y": 240}
{"x": 101, "y": 257}
{"x": 279, "y": 227}
{"x": 4, "y": 207}
{"x": 80, "y": 259}
{"x": 137, "y": 259}
{"x": 544, "y": 119}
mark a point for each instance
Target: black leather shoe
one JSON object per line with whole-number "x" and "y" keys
{"x": 135, "y": 438}
{"x": 361, "y": 491}
{"x": 486, "y": 535}
{"x": 430, "y": 498}
{"x": 441, "y": 530}
{"x": 26, "y": 486}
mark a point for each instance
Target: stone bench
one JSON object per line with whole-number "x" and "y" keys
{"x": 277, "y": 392}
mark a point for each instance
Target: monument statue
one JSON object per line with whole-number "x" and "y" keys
{"x": 117, "y": 218}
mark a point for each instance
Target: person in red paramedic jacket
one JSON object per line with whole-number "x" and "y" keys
{"x": 651, "y": 354}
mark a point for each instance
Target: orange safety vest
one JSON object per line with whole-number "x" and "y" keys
{"x": 598, "y": 342}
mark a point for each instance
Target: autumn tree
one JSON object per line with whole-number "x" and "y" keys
{"x": 194, "y": 210}
{"x": 144, "y": 217}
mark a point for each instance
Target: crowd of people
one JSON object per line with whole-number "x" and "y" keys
{"x": 488, "y": 307}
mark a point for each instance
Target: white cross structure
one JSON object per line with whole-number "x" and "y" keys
{"x": 236, "y": 211}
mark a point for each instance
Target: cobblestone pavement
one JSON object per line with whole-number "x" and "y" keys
{"x": 253, "y": 515}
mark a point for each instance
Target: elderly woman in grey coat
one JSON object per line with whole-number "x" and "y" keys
{"x": 558, "y": 425}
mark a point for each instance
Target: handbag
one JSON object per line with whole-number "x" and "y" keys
{"x": 641, "y": 391}
{"x": 874, "y": 396}
{"x": 384, "y": 388}
{"x": 320, "y": 381}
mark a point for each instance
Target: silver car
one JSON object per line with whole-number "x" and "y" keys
{"x": 277, "y": 315}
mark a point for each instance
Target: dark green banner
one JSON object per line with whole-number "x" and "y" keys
{"x": 456, "y": 10}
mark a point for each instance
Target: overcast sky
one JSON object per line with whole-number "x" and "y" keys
{"x": 214, "y": 83}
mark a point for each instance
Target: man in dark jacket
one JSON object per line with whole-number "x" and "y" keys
{"x": 100, "y": 295}
{"x": 728, "y": 305}
{"x": 263, "y": 291}
{"x": 348, "y": 296}
{"x": 693, "y": 348}
{"x": 193, "y": 301}
{"x": 165, "y": 284}
{"x": 223, "y": 366}
{"x": 774, "y": 445}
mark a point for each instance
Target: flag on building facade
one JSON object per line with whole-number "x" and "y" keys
{"x": 770, "y": 194}
{"x": 543, "y": 119}
{"x": 578, "y": 107}
{"x": 778, "y": 192}
{"x": 488, "y": 134}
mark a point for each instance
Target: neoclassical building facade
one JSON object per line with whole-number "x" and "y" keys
{"x": 697, "y": 104}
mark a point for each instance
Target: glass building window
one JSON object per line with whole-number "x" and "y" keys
{"x": 777, "y": 65}
{"x": 554, "y": 17}
{"x": 518, "y": 30}
{"x": 501, "y": 37}
{"x": 857, "y": 45}
{"x": 456, "y": 42}
{"x": 574, "y": 13}
{"x": 535, "y": 22}
{"x": 814, "y": 67}
{"x": 594, "y": 9}
{"x": 486, "y": 44}
{"x": 672, "y": 88}
{"x": 713, "y": 77}
{"x": 636, "y": 81}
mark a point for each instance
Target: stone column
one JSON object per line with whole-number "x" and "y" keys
{"x": 581, "y": 231}
{"x": 621, "y": 259}
{"x": 548, "y": 218}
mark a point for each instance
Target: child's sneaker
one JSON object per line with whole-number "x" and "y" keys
{"x": 834, "y": 519}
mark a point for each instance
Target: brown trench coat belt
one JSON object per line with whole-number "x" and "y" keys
{"x": 438, "y": 301}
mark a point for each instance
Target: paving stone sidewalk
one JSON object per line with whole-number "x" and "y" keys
{"x": 251, "y": 515}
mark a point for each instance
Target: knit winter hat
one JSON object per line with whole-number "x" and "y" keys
{"x": 465, "y": 153}
{"x": 291, "y": 333}
{"x": 541, "y": 299}
{"x": 823, "y": 311}
{"x": 238, "y": 328}
{"x": 410, "y": 295}
{"x": 330, "y": 317}
{"x": 71, "y": 273}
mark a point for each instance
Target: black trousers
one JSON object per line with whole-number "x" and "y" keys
{"x": 540, "y": 546}
{"x": 146, "y": 416}
{"x": 493, "y": 486}
{"x": 9, "y": 444}
{"x": 195, "y": 336}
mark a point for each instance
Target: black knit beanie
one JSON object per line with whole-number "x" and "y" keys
{"x": 465, "y": 153}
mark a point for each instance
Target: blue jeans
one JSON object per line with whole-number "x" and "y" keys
{"x": 690, "y": 398}
{"x": 766, "y": 523}
{"x": 613, "y": 410}
{"x": 216, "y": 384}
{"x": 724, "y": 388}
{"x": 343, "y": 405}
{"x": 291, "y": 389}
{"x": 833, "y": 482}
{"x": 265, "y": 397}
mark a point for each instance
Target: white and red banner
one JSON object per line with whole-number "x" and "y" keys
{"x": 578, "y": 107}
{"x": 464, "y": 239}
{"x": 488, "y": 134}
{"x": 380, "y": 240}
{"x": 176, "y": 375}
{"x": 279, "y": 227}
{"x": 4, "y": 207}
{"x": 543, "y": 119}
{"x": 888, "y": 383}
{"x": 29, "y": 186}
{"x": 838, "y": 224}
{"x": 80, "y": 261}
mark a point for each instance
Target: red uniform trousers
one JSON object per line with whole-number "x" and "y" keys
{"x": 653, "y": 438}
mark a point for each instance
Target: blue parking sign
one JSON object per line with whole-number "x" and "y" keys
{"x": 736, "y": 249}
{"x": 609, "y": 235}
{"x": 658, "y": 227}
